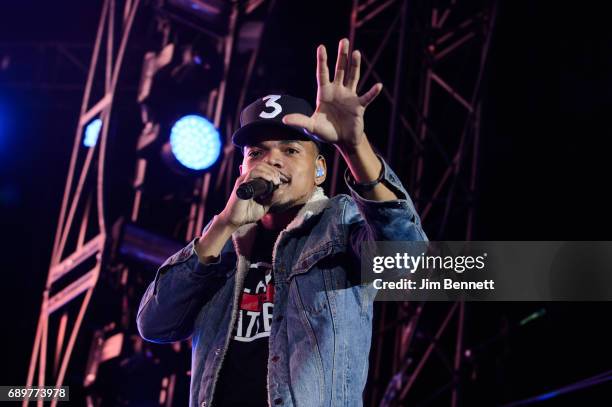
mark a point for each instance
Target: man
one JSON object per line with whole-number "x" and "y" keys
{"x": 271, "y": 291}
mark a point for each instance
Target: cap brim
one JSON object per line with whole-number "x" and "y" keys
{"x": 253, "y": 133}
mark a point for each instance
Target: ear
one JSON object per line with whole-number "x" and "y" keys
{"x": 320, "y": 163}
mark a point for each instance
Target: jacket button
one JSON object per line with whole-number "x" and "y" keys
{"x": 203, "y": 404}
{"x": 275, "y": 358}
{"x": 278, "y": 401}
{"x": 217, "y": 351}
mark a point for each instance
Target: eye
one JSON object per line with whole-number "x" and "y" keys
{"x": 254, "y": 153}
{"x": 292, "y": 150}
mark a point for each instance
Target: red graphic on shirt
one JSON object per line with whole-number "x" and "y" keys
{"x": 256, "y": 304}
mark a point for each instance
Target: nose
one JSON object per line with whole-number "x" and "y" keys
{"x": 274, "y": 157}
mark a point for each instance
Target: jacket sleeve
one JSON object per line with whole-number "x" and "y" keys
{"x": 394, "y": 220}
{"x": 182, "y": 286}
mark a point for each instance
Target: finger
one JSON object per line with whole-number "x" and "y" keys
{"x": 300, "y": 120}
{"x": 370, "y": 95}
{"x": 273, "y": 170}
{"x": 263, "y": 171}
{"x": 341, "y": 62}
{"x": 241, "y": 178}
{"x": 353, "y": 77}
{"x": 322, "y": 69}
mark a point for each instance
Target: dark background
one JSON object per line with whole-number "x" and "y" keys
{"x": 544, "y": 172}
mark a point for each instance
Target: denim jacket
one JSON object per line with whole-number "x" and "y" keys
{"x": 322, "y": 317}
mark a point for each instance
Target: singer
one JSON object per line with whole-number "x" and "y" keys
{"x": 271, "y": 293}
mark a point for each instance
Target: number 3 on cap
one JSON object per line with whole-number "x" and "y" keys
{"x": 271, "y": 102}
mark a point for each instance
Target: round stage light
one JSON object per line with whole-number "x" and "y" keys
{"x": 92, "y": 131}
{"x": 195, "y": 142}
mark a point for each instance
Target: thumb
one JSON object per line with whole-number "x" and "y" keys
{"x": 298, "y": 119}
{"x": 370, "y": 95}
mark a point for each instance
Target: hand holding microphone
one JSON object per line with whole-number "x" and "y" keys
{"x": 255, "y": 188}
{"x": 243, "y": 206}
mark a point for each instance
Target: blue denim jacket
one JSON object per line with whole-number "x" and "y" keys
{"x": 322, "y": 318}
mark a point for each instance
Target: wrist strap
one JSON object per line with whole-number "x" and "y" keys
{"x": 366, "y": 186}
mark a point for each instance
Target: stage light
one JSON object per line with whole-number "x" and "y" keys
{"x": 92, "y": 131}
{"x": 140, "y": 245}
{"x": 177, "y": 83}
{"x": 212, "y": 14}
{"x": 195, "y": 143}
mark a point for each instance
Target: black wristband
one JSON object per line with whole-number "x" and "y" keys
{"x": 366, "y": 186}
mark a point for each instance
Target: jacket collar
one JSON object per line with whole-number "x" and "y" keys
{"x": 244, "y": 236}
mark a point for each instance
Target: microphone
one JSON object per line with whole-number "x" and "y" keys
{"x": 255, "y": 188}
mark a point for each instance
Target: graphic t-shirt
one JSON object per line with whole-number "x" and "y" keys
{"x": 243, "y": 377}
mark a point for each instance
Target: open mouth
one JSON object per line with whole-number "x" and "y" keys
{"x": 284, "y": 180}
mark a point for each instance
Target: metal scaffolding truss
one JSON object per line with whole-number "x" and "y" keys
{"x": 78, "y": 250}
{"x": 434, "y": 117}
{"x": 443, "y": 34}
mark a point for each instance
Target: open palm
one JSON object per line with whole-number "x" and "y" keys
{"x": 338, "y": 117}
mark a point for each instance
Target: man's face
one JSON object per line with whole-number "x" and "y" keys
{"x": 296, "y": 160}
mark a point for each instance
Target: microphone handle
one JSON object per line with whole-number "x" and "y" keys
{"x": 255, "y": 188}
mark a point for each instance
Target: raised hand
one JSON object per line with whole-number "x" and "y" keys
{"x": 338, "y": 117}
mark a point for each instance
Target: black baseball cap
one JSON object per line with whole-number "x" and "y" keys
{"x": 267, "y": 112}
